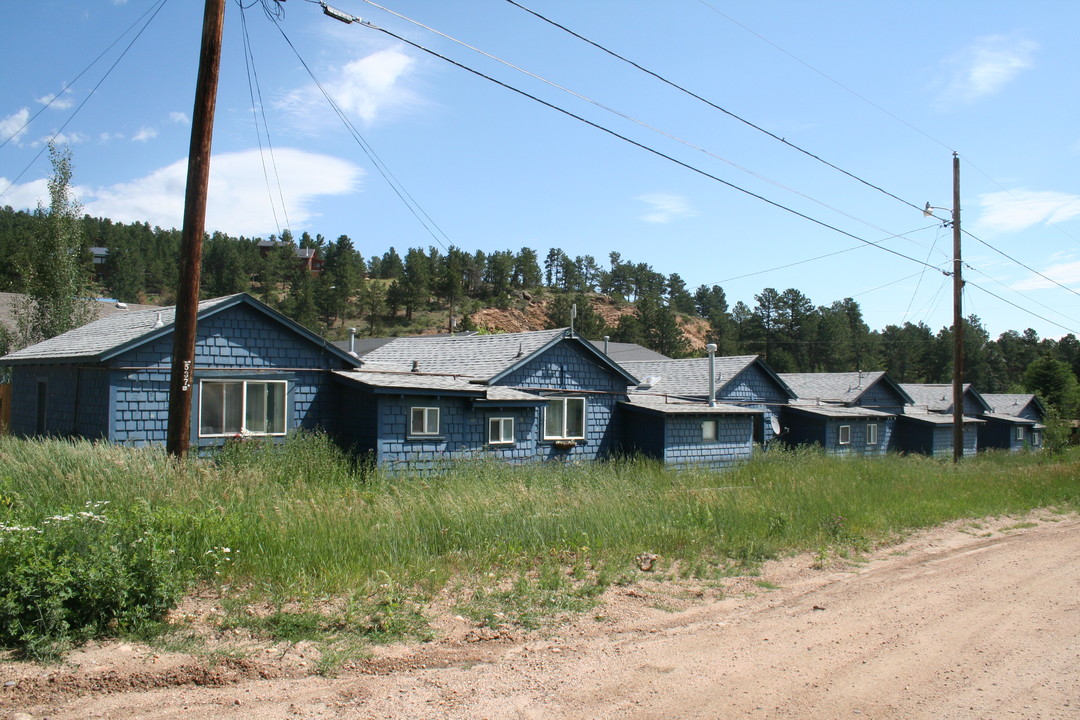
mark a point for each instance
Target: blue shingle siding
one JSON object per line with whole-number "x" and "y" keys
{"x": 684, "y": 447}
{"x": 934, "y": 440}
{"x": 644, "y": 433}
{"x": 753, "y": 388}
{"x": 567, "y": 367}
{"x": 806, "y": 429}
{"x": 75, "y": 400}
{"x": 462, "y": 435}
{"x": 880, "y": 396}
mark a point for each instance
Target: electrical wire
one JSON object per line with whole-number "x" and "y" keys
{"x": 639, "y": 122}
{"x": 93, "y": 90}
{"x": 413, "y": 206}
{"x": 71, "y": 84}
{"x": 639, "y": 144}
{"x": 1021, "y": 308}
{"x": 257, "y": 106}
{"x": 710, "y": 103}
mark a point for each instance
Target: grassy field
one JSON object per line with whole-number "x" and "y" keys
{"x": 296, "y": 523}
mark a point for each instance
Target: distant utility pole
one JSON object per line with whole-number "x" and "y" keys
{"x": 958, "y": 321}
{"x": 198, "y": 180}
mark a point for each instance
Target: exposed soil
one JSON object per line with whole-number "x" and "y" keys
{"x": 974, "y": 620}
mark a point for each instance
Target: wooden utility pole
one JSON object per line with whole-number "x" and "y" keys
{"x": 958, "y": 322}
{"x": 198, "y": 180}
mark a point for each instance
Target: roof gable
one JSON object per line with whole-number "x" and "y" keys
{"x": 116, "y": 334}
{"x": 938, "y": 397}
{"x": 842, "y": 387}
{"x": 487, "y": 358}
{"x": 690, "y": 376}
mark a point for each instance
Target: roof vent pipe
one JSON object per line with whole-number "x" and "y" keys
{"x": 711, "y": 348}
{"x": 352, "y": 341}
{"x": 160, "y": 323}
{"x": 416, "y": 366}
{"x": 606, "y": 338}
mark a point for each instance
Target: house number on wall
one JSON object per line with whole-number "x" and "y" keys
{"x": 187, "y": 376}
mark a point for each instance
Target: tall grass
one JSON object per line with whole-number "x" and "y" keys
{"x": 304, "y": 518}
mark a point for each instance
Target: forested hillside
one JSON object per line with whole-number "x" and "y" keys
{"x": 392, "y": 292}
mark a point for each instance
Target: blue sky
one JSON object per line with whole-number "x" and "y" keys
{"x": 885, "y": 91}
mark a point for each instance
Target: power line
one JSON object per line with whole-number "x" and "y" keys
{"x": 257, "y": 106}
{"x": 93, "y": 90}
{"x": 710, "y": 103}
{"x": 1019, "y": 307}
{"x": 639, "y": 122}
{"x": 640, "y": 145}
{"x": 413, "y": 206}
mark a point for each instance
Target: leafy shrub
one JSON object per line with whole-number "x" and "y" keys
{"x": 78, "y": 576}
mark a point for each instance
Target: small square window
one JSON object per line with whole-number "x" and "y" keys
{"x": 845, "y": 435}
{"x": 708, "y": 431}
{"x": 501, "y": 431}
{"x": 871, "y": 434}
{"x": 424, "y": 421}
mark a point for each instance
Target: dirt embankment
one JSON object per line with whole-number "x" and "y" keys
{"x": 976, "y": 620}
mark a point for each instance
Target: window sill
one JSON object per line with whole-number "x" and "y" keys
{"x": 424, "y": 438}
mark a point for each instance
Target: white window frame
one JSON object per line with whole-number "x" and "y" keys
{"x": 244, "y": 428}
{"x": 844, "y": 435}
{"x": 871, "y": 433}
{"x": 429, "y": 421}
{"x": 710, "y": 430}
{"x": 1019, "y": 434}
{"x": 566, "y": 402}
{"x": 501, "y": 431}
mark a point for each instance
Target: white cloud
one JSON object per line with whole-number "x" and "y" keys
{"x": 145, "y": 134}
{"x": 368, "y": 87}
{"x": 664, "y": 208}
{"x": 25, "y": 196}
{"x": 107, "y": 137}
{"x": 1012, "y": 211}
{"x": 1067, "y": 273}
{"x": 238, "y": 201}
{"x": 985, "y": 67}
{"x": 14, "y": 125}
{"x": 179, "y": 118}
{"x": 62, "y": 101}
{"x": 73, "y": 138}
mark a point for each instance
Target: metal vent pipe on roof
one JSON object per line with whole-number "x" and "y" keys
{"x": 711, "y": 349}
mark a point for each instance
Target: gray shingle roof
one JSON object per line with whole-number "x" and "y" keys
{"x": 839, "y": 411}
{"x": 1008, "y": 403}
{"x": 628, "y": 352}
{"x": 435, "y": 384}
{"x": 661, "y": 405}
{"x": 688, "y": 376}
{"x": 845, "y": 387}
{"x": 935, "y": 397}
{"x": 484, "y": 357}
{"x": 96, "y": 339}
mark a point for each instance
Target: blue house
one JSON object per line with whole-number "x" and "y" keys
{"x": 545, "y": 395}
{"x": 1014, "y": 422}
{"x": 744, "y": 382}
{"x": 256, "y": 373}
{"x": 927, "y": 425}
{"x": 847, "y": 413}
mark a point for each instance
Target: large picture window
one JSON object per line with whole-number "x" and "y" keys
{"x": 565, "y": 419}
{"x": 424, "y": 421}
{"x": 500, "y": 430}
{"x": 241, "y": 407}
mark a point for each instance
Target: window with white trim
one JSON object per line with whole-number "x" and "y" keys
{"x": 424, "y": 421}
{"x": 845, "y": 435}
{"x": 242, "y": 407}
{"x": 871, "y": 434}
{"x": 1020, "y": 433}
{"x": 500, "y": 431}
{"x": 708, "y": 431}
{"x": 564, "y": 419}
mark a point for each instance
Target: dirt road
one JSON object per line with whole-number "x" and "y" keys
{"x": 962, "y": 622}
